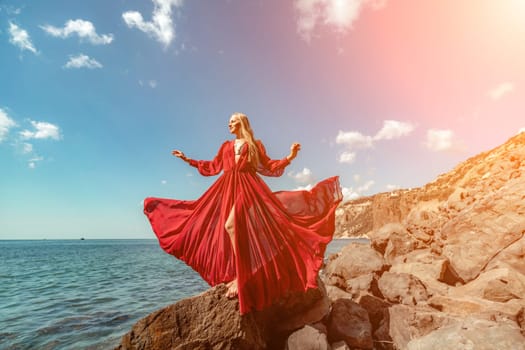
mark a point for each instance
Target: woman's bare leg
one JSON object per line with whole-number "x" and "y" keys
{"x": 230, "y": 228}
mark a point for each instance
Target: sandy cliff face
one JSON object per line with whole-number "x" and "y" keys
{"x": 439, "y": 201}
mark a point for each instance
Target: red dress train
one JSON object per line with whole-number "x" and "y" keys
{"x": 280, "y": 237}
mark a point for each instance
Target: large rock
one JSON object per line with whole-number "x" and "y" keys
{"x": 404, "y": 323}
{"x": 479, "y": 233}
{"x": 402, "y": 288}
{"x": 206, "y": 321}
{"x": 307, "y": 338}
{"x": 349, "y": 322}
{"x": 512, "y": 256}
{"x": 427, "y": 267}
{"x": 212, "y": 321}
{"x": 500, "y": 285}
{"x": 400, "y": 244}
{"x": 379, "y": 238}
{"x": 467, "y": 305}
{"x": 472, "y": 334}
{"x": 353, "y": 261}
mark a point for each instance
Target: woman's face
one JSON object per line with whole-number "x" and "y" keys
{"x": 234, "y": 125}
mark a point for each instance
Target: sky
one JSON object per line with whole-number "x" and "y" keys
{"x": 386, "y": 94}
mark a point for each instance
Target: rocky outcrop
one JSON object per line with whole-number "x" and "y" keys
{"x": 452, "y": 252}
{"x": 212, "y": 321}
{"x": 429, "y": 207}
{"x": 206, "y": 321}
{"x": 445, "y": 269}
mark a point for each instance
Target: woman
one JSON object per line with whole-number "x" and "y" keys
{"x": 262, "y": 244}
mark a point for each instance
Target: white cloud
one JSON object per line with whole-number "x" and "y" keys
{"x": 161, "y": 26}
{"x": 342, "y": 14}
{"x": 20, "y": 37}
{"x": 349, "y": 194}
{"x": 82, "y": 61}
{"x": 501, "y": 90}
{"x": 305, "y": 176}
{"x": 347, "y": 157}
{"x": 439, "y": 140}
{"x": 393, "y": 129}
{"x": 6, "y": 123}
{"x": 153, "y": 84}
{"x": 338, "y": 14}
{"x": 27, "y": 148}
{"x": 83, "y": 29}
{"x": 37, "y": 131}
{"x": 353, "y": 140}
{"x": 390, "y": 187}
{"x": 164, "y": 182}
{"x": 304, "y": 188}
{"x": 366, "y": 186}
{"x": 32, "y": 162}
{"x": 42, "y": 130}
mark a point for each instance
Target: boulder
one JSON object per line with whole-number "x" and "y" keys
{"x": 360, "y": 285}
{"x": 379, "y": 238}
{"x": 335, "y": 293}
{"x": 480, "y": 232}
{"x": 402, "y": 288}
{"x": 399, "y": 245}
{"x": 207, "y": 321}
{"x": 500, "y": 285}
{"x": 349, "y": 322}
{"x": 463, "y": 306}
{"x": 472, "y": 333}
{"x": 307, "y": 338}
{"x": 340, "y": 345}
{"x": 427, "y": 267}
{"x": 212, "y": 321}
{"x": 355, "y": 260}
{"x": 512, "y": 256}
{"x": 404, "y": 323}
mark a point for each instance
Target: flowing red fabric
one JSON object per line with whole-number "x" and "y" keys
{"x": 280, "y": 237}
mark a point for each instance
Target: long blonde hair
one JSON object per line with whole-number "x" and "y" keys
{"x": 246, "y": 133}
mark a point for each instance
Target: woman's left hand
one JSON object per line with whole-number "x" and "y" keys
{"x": 296, "y": 147}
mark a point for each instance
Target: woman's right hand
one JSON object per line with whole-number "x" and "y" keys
{"x": 179, "y": 154}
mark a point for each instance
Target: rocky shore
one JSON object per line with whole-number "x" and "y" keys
{"x": 445, "y": 269}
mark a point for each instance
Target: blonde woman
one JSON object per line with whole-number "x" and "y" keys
{"x": 262, "y": 244}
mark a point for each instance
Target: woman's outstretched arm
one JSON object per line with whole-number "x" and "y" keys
{"x": 205, "y": 167}
{"x": 275, "y": 167}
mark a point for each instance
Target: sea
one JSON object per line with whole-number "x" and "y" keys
{"x": 86, "y": 294}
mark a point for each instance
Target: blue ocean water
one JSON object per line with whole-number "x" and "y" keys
{"x": 85, "y": 294}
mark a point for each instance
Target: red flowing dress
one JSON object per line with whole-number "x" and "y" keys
{"x": 280, "y": 237}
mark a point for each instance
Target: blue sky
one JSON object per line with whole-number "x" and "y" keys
{"x": 385, "y": 94}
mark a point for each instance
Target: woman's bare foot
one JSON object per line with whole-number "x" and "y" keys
{"x": 232, "y": 291}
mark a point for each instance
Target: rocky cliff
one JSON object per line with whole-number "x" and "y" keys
{"x": 467, "y": 183}
{"x": 445, "y": 269}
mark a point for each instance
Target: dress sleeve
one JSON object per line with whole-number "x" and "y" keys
{"x": 210, "y": 167}
{"x": 270, "y": 167}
